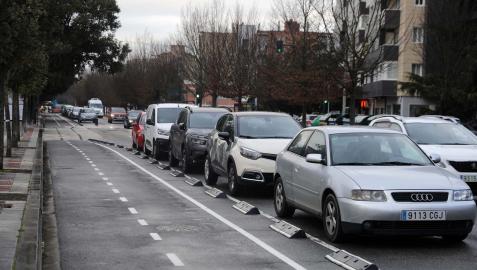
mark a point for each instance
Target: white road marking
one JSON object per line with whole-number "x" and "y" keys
{"x": 89, "y": 160}
{"x": 123, "y": 199}
{"x": 100, "y": 173}
{"x": 142, "y": 222}
{"x": 174, "y": 259}
{"x": 133, "y": 210}
{"x": 93, "y": 165}
{"x": 109, "y": 183}
{"x": 96, "y": 169}
{"x": 105, "y": 178}
{"x": 155, "y": 236}
{"x": 211, "y": 212}
{"x": 115, "y": 190}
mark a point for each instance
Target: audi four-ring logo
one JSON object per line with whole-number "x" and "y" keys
{"x": 422, "y": 197}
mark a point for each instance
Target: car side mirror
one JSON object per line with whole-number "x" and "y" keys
{"x": 224, "y": 136}
{"x": 149, "y": 122}
{"x": 435, "y": 158}
{"x": 314, "y": 158}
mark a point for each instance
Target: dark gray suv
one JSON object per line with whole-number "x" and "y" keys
{"x": 189, "y": 135}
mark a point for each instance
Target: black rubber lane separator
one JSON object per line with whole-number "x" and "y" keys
{"x": 350, "y": 261}
{"x": 288, "y": 230}
{"x": 154, "y": 161}
{"x": 163, "y": 166}
{"x": 216, "y": 193}
{"x": 246, "y": 208}
{"x": 193, "y": 182}
{"x": 177, "y": 173}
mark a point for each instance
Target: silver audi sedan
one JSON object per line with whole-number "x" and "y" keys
{"x": 366, "y": 181}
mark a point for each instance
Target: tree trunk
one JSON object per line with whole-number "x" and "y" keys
{"x": 3, "y": 82}
{"x": 8, "y": 124}
{"x": 214, "y": 98}
{"x": 352, "y": 105}
{"x": 26, "y": 112}
{"x": 15, "y": 118}
{"x": 303, "y": 114}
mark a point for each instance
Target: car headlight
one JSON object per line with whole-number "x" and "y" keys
{"x": 249, "y": 153}
{"x": 200, "y": 140}
{"x": 130, "y": 121}
{"x": 163, "y": 132}
{"x": 368, "y": 195}
{"x": 463, "y": 195}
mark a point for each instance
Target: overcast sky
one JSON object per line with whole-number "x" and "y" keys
{"x": 160, "y": 18}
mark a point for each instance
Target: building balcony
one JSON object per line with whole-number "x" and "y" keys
{"x": 390, "y": 52}
{"x": 392, "y": 19}
{"x": 384, "y": 88}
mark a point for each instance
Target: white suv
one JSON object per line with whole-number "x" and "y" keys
{"x": 455, "y": 144}
{"x": 244, "y": 147}
{"x": 159, "y": 119}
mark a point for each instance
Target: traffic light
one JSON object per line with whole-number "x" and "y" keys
{"x": 279, "y": 46}
{"x": 197, "y": 99}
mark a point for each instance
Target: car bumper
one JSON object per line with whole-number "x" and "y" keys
{"x": 255, "y": 172}
{"x": 385, "y": 217}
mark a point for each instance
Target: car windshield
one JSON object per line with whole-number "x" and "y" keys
{"x": 118, "y": 110}
{"x": 133, "y": 114}
{"x": 375, "y": 149}
{"x": 167, "y": 115}
{"x": 267, "y": 126}
{"x": 96, "y": 105}
{"x": 440, "y": 133}
{"x": 88, "y": 110}
{"x": 204, "y": 120}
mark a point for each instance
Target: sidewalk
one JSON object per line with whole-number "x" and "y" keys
{"x": 16, "y": 182}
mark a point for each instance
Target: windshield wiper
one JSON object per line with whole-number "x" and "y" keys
{"x": 247, "y": 137}
{"x": 352, "y": 164}
{"x": 275, "y": 137}
{"x": 398, "y": 163}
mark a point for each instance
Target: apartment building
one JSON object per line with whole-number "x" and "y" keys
{"x": 401, "y": 43}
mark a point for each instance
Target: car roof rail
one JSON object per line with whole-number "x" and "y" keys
{"x": 397, "y": 117}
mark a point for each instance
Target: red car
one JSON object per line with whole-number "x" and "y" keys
{"x": 137, "y": 132}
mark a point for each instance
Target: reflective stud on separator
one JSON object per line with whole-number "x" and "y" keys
{"x": 216, "y": 193}
{"x": 350, "y": 261}
{"x": 246, "y": 208}
{"x": 177, "y": 173}
{"x": 288, "y": 230}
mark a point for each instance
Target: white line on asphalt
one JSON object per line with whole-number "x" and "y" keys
{"x": 174, "y": 259}
{"x": 100, "y": 173}
{"x": 109, "y": 183}
{"x": 133, "y": 210}
{"x": 155, "y": 236}
{"x": 211, "y": 212}
{"x": 123, "y": 199}
{"x": 96, "y": 169}
{"x": 93, "y": 165}
{"x": 105, "y": 178}
{"x": 115, "y": 190}
{"x": 89, "y": 160}
{"x": 142, "y": 222}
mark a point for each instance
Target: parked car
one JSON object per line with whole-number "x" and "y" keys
{"x": 116, "y": 114}
{"x": 371, "y": 181}
{"x": 310, "y": 118}
{"x": 130, "y": 118}
{"x": 65, "y": 109}
{"x": 244, "y": 145}
{"x": 56, "y": 108}
{"x": 75, "y": 113}
{"x": 87, "y": 114}
{"x": 455, "y": 144}
{"x": 137, "y": 131}
{"x": 189, "y": 135}
{"x": 159, "y": 120}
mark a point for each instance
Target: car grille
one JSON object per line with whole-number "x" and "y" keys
{"x": 465, "y": 166}
{"x": 269, "y": 156}
{"x": 421, "y": 225}
{"x": 407, "y": 196}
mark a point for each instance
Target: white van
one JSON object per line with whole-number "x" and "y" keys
{"x": 97, "y": 105}
{"x": 159, "y": 119}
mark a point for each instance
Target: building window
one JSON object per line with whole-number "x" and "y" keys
{"x": 418, "y": 35}
{"x": 420, "y": 2}
{"x": 417, "y": 69}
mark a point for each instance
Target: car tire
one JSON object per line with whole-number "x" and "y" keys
{"x": 282, "y": 208}
{"x": 146, "y": 152}
{"x": 209, "y": 174}
{"x": 173, "y": 161}
{"x": 185, "y": 161}
{"x": 232, "y": 178}
{"x": 454, "y": 238}
{"x": 156, "y": 154}
{"x": 332, "y": 219}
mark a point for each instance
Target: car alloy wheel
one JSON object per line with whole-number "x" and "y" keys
{"x": 209, "y": 175}
{"x": 279, "y": 198}
{"x": 332, "y": 219}
{"x": 232, "y": 179}
{"x": 282, "y": 209}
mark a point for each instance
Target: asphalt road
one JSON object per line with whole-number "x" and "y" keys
{"x": 96, "y": 227}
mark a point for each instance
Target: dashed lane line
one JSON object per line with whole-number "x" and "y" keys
{"x": 105, "y": 179}
{"x": 174, "y": 259}
{"x": 211, "y": 212}
{"x": 133, "y": 210}
{"x": 115, "y": 191}
{"x": 109, "y": 183}
{"x": 123, "y": 199}
{"x": 142, "y": 222}
{"x": 155, "y": 236}
{"x": 100, "y": 173}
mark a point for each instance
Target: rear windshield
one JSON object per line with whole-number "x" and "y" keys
{"x": 118, "y": 110}
{"x": 88, "y": 110}
{"x": 133, "y": 114}
{"x": 167, "y": 115}
{"x": 205, "y": 120}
